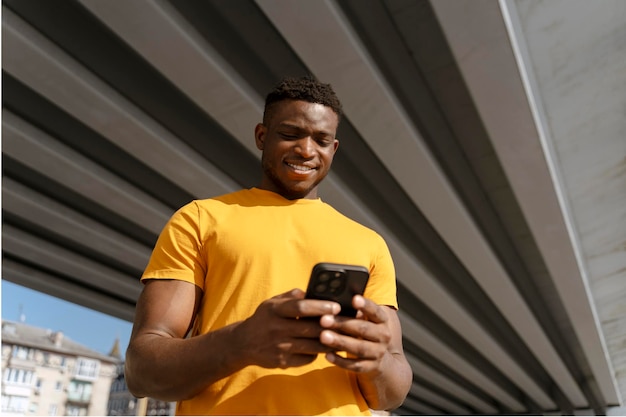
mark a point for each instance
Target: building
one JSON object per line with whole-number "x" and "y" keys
{"x": 45, "y": 373}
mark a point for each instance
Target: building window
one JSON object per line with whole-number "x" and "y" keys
{"x": 87, "y": 368}
{"x": 22, "y": 352}
{"x": 52, "y": 411}
{"x": 58, "y": 386}
{"x": 18, "y": 376}
{"x": 73, "y": 410}
{"x": 118, "y": 385}
{"x": 14, "y": 404}
{"x": 79, "y": 391}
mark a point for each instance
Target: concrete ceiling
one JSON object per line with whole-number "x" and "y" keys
{"x": 485, "y": 140}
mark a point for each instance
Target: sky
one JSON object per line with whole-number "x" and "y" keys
{"x": 90, "y": 328}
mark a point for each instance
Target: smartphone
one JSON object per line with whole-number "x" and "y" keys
{"x": 337, "y": 282}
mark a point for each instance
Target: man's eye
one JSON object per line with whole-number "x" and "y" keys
{"x": 325, "y": 141}
{"x": 289, "y": 135}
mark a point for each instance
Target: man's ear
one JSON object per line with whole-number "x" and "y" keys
{"x": 260, "y": 132}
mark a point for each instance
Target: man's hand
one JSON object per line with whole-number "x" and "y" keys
{"x": 285, "y": 330}
{"x": 365, "y": 339}
{"x": 373, "y": 344}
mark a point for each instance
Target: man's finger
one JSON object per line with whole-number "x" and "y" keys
{"x": 354, "y": 365}
{"x": 374, "y": 312}
{"x": 360, "y": 348}
{"x": 294, "y": 306}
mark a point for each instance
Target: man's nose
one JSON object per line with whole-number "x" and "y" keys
{"x": 305, "y": 147}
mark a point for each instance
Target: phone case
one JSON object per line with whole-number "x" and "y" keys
{"x": 338, "y": 282}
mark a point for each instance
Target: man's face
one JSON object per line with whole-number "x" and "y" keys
{"x": 298, "y": 145}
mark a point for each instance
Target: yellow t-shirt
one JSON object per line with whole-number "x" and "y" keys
{"x": 245, "y": 247}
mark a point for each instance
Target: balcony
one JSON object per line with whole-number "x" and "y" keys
{"x": 79, "y": 392}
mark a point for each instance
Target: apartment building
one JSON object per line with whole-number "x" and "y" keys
{"x": 45, "y": 373}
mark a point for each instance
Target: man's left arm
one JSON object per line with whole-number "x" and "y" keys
{"x": 373, "y": 343}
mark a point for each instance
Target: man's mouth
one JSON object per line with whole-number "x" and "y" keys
{"x": 302, "y": 168}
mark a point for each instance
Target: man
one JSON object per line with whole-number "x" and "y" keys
{"x": 229, "y": 272}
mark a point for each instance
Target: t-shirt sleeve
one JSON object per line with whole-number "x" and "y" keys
{"x": 381, "y": 287}
{"x": 178, "y": 253}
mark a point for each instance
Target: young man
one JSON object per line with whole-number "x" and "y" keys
{"x": 230, "y": 271}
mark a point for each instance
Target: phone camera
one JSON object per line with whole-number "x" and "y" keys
{"x": 330, "y": 283}
{"x": 336, "y": 283}
{"x": 320, "y": 288}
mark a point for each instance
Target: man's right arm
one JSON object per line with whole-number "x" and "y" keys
{"x": 161, "y": 363}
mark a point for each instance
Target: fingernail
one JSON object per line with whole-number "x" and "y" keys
{"x": 327, "y": 320}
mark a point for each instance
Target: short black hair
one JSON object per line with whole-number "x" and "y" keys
{"x": 305, "y": 88}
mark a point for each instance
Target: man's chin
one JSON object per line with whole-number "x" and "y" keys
{"x": 295, "y": 195}
{"x": 297, "y": 192}
{"x": 292, "y": 189}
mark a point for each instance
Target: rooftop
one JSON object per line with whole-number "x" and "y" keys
{"x": 45, "y": 339}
